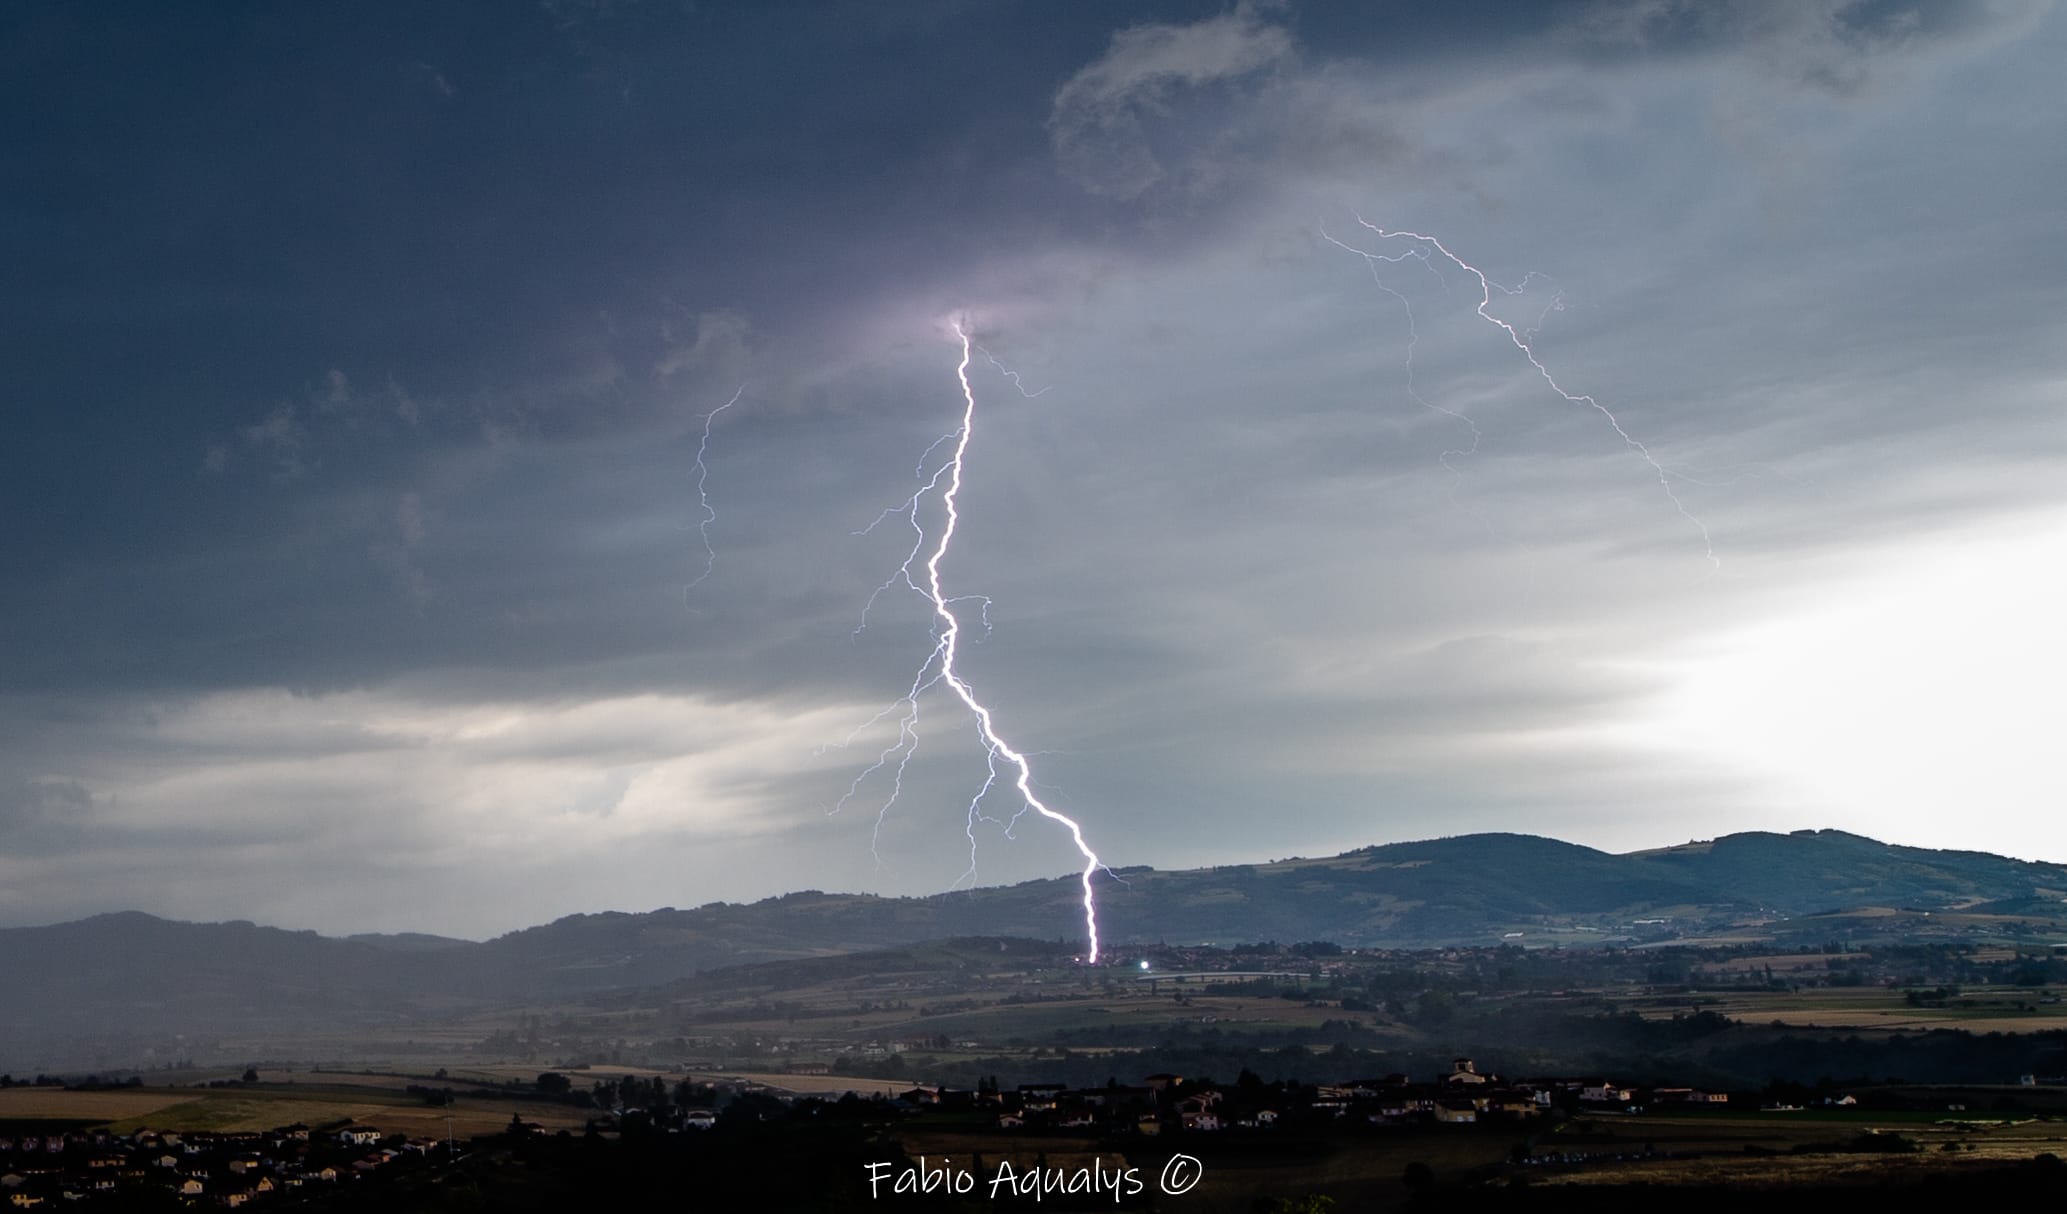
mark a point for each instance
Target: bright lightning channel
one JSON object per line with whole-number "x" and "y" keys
{"x": 703, "y": 497}
{"x": 1523, "y": 340}
{"x": 939, "y": 666}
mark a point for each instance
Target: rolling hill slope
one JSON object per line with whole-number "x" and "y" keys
{"x": 132, "y": 973}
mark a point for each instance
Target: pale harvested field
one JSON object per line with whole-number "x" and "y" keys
{"x": 83, "y": 1106}
{"x": 230, "y": 1109}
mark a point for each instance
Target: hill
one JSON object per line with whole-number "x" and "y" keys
{"x": 135, "y": 982}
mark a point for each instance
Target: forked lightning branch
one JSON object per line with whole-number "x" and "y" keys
{"x": 921, "y": 572}
{"x": 939, "y": 666}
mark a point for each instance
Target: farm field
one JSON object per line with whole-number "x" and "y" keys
{"x": 27, "y": 1103}
{"x": 1980, "y": 1010}
{"x": 1790, "y": 1149}
{"x": 265, "y": 1106}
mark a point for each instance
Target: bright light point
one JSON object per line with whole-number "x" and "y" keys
{"x": 1144, "y": 967}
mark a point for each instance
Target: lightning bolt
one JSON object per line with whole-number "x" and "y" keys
{"x": 939, "y": 666}
{"x": 1372, "y": 260}
{"x": 703, "y": 497}
{"x": 1523, "y": 340}
{"x": 1010, "y": 374}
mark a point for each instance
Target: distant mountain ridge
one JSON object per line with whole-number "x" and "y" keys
{"x": 130, "y": 972}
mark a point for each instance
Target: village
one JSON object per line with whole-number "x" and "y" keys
{"x": 217, "y": 1168}
{"x": 1167, "y": 1102}
{"x": 230, "y": 1169}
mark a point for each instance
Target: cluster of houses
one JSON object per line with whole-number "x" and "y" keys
{"x": 61, "y": 1170}
{"x": 1169, "y": 1102}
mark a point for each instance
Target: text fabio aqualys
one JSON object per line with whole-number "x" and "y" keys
{"x": 1008, "y": 1179}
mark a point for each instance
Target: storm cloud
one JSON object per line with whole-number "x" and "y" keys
{"x": 360, "y": 365}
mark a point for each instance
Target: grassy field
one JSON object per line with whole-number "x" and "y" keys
{"x": 1774, "y": 1149}
{"x": 28, "y": 1103}
{"x": 1979, "y": 1009}
{"x": 265, "y": 1106}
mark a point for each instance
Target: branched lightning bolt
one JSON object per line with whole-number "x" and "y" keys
{"x": 939, "y": 666}
{"x": 1371, "y": 261}
{"x": 1523, "y": 340}
{"x": 703, "y": 497}
{"x": 950, "y": 633}
{"x": 897, "y": 756}
{"x": 1010, "y": 374}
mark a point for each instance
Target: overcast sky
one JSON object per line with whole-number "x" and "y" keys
{"x": 358, "y": 359}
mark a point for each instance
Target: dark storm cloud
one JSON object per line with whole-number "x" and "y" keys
{"x": 364, "y": 358}
{"x": 558, "y": 248}
{"x": 1823, "y": 44}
